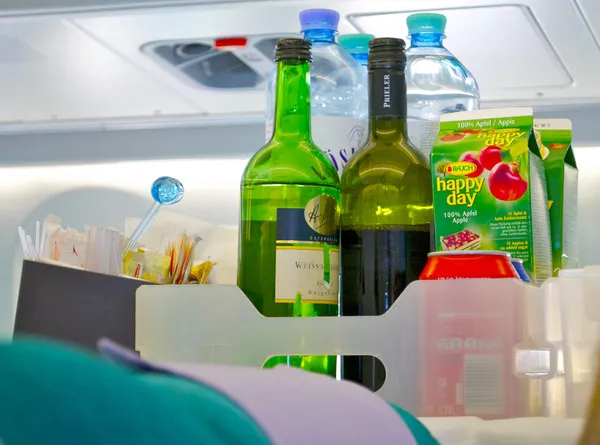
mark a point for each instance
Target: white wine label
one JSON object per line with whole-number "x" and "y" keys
{"x": 299, "y": 274}
{"x": 307, "y": 253}
{"x": 338, "y": 137}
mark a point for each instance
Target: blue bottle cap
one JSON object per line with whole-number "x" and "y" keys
{"x": 356, "y": 43}
{"x": 426, "y": 22}
{"x": 319, "y": 19}
{"x": 166, "y": 190}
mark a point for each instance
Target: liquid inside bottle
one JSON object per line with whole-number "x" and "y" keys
{"x": 289, "y": 228}
{"x": 338, "y": 90}
{"x": 437, "y": 81}
{"x": 386, "y": 206}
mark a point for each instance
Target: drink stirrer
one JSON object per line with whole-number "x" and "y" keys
{"x": 165, "y": 191}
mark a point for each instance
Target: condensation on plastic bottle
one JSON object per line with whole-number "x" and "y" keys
{"x": 338, "y": 85}
{"x": 437, "y": 82}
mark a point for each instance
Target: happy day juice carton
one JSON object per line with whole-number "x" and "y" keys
{"x": 554, "y": 140}
{"x": 489, "y": 187}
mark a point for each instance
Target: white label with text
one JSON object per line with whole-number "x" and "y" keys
{"x": 300, "y": 271}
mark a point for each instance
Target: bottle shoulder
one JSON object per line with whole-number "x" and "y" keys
{"x": 377, "y": 160}
{"x": 286, "y": 162}
{"x": 437, "y": 66}
{"x": 387, "y": 185}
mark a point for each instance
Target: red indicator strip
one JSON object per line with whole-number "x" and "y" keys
{"x": 231, "y": 42}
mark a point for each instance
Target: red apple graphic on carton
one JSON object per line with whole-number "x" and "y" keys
{"x": 505, "y": 182}
{"x": 490, "y": 156}
{"x": 473, "y": 159}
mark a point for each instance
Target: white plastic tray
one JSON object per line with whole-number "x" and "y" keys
{"x": 524, "y": 351}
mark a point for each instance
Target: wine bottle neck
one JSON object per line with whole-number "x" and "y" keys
{"x": 387, "y": 104}
{"x": 292, "y": 100}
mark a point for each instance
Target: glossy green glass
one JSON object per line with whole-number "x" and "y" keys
{"x": 287, "y": 173}
{"x": 386, "y": 211}
{"x": 386, "y": 182}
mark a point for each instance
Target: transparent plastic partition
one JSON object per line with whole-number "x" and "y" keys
{"x": 572, "y": 326}
{"x": 486, "y": 348}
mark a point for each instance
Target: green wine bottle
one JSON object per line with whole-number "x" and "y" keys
{"x": 289, "y": 229}
{"x": 386, "y": 209}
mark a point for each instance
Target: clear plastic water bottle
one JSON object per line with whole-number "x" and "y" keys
{"x": 357, "y": 45}
{"x": 338, "y": 90}
{"x": 437, "y": 82}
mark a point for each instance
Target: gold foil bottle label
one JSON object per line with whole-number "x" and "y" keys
{"x": 322, "y": 214}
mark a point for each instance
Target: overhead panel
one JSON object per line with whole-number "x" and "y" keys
{"x": 590, "y": 10}
{"x": 95, "y": 65}
{"x": 141, "y": 37}
{"x": 220, "y": 63}
{"x": 28, "y": 7}
{"x": 520, "y": 52}
{"x": 504, "y": 59}
{"x": 50, "y": 71}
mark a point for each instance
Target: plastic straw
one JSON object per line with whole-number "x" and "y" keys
{"x": 43, "y": 239}
{"x": 37, "y": 236}
{"x": 23, "y": 239}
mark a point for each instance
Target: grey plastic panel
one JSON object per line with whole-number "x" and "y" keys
{"x": 178, "y": 54}
{"x": 75, "y": 306}
{"x": 222, "y": 70}
{"x": 203, "y": 66}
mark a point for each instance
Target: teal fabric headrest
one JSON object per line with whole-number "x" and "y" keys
{"x": 54, "y": 395}
{"x": 57, "y": 395}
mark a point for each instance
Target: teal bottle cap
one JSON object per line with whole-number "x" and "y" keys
{"x": 354, "y": 43}
{"x": 426, "y": 22}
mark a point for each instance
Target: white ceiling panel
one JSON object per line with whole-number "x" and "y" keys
{"x": 519, "y": 51}
{"x": 590, "y": 10}
{"x": 50, "y": 70}
{"x": 501, "y": 58}
{"x": 127, "y": 33}
{"x": 22, "y": 7}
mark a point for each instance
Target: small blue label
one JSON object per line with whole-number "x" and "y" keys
{"x": 292, "y": 227}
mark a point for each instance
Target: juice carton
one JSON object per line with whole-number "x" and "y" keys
{"x": 489, "y": 187}
{"x": 554, "y": 140}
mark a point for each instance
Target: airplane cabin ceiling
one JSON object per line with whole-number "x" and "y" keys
{"x": 82, "y": 60}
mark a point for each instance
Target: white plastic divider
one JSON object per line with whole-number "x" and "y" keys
{"x": 522, "y": 351}
{"x": 572, "y": 326}
{"x": 218, "y": 324}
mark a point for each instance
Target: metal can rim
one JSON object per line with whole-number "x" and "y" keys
{"x": 471, "y": 252}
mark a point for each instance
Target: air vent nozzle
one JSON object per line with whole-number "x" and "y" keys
{"x": 219, "y": 63}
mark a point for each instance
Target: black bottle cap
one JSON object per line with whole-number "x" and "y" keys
{"x": 293, "y": 49}
{"x": 387, "y": 52}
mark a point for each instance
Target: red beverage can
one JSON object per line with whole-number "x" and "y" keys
{"x": 454, "y": 265}
{"x": 468, "y": 334}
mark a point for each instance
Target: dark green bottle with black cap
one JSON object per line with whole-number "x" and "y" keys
{"x": 289, "y": 228}
{"x": 386, "y": 210}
